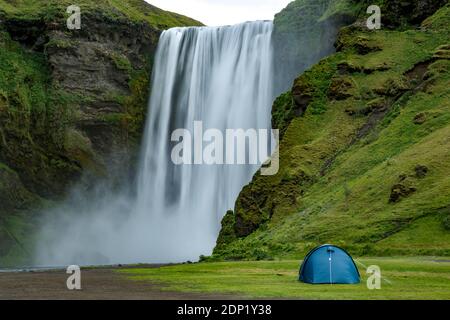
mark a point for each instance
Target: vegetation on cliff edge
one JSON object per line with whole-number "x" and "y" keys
{"x": 131, "y": 10}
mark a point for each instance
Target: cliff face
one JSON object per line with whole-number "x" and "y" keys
{"x": 72, "y": 102}
{"x": 304, "y": 33}
{"x": 364, "y": 150}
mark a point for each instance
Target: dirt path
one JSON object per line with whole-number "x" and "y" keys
{"x": 97, "y": 284}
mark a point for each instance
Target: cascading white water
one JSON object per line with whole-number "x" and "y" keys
{"x": 221, "y": 76}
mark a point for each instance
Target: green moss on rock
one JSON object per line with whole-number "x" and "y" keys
{"x": 131, "y": 10}
{"x": 13, "y": 195}
{"x": 339, "y": 172}
{"x": 32, "y": 121}
{"x": 304, "y": 32}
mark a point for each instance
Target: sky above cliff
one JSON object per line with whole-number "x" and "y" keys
{"x": 223, "y": 12}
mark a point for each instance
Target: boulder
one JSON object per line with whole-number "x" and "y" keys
{"x": 400, "y": 191}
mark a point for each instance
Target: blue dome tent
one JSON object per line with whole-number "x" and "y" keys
{"x": 329, "y": 264}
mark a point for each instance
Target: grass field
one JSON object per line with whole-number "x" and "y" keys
{"x": 413, "y": 278}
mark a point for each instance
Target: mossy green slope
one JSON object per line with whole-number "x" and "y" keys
{"x": 133, "y": 10}
{"x": 367, "y": 165}
{"x": 304, "y": 33}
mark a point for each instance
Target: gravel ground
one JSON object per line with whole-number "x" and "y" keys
{"x": 97, "y": 284}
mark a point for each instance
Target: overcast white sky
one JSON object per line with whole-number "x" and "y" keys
{"x": 223, "y": 12}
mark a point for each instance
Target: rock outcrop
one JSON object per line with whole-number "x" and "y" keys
{"x": 304, "y": 33}
{"x": 94, "y": 89}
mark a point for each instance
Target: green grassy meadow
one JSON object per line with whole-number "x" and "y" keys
{"x": 412, "y": 278}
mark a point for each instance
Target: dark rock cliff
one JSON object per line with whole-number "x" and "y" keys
{"x": 101, "y": 74}
{"x": 94, "y": 87}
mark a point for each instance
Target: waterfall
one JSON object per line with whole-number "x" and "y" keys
{"x": 221, "y": 76}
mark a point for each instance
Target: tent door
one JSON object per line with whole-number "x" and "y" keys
{"x": 330, "y": 259}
